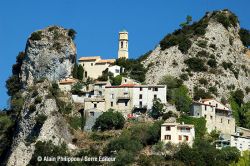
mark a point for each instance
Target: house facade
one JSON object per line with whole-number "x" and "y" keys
{"x": 240, "y": 142}
{"x": 218, "y": 116}
{"x": 94, "y": 66}
{"x": 130, "y": 97}
{"x": 177, "y": 133}
{"x": 66, "y": 84}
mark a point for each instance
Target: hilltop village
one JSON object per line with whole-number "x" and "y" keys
{"x": 134, "y": 100}
{"x": 186, "y": 102}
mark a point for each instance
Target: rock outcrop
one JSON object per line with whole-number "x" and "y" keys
{"x": 50, "y": 53}
{"x": 49, "y": 56}
{"x": 219, "y": 43}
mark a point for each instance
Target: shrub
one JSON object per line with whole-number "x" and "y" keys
{"x": 32, "y": 108}
{"x": 238, "y": 96}
{"x": 72, "y": 33}
{"x": 76, "y": 122}
{"x": 212, "y": 63}
{"x": 13, "y": 85}
{"x": 36, "y": 35}
{"x": 203, "y": 81}
{"x": 196, "y": 64}
{"x": 201, "y": 94}
{"x": 227, "y": 21}
{"x": 54, "y": 89}
{"x": 213, "y": 46}
{"x": 245, "y": 37}
{"x": 77, "y": 88}
{"x": 117, "y": 80}
{"x": 185, "y": 45}
{"x": 181, "y": 99}
{"x": 157, "y": 109}
{"x": 168, "y": 115}
{"x": 109, "y": 120}
{"x": 213, "y": 90}
{"x": 38, "y": 100}
{"x": 40, "y": 119}
{"x": 227, "y": 65}
{"x": 202, "y": 43}
{"x": 247, "y": 89}
{"x": 184, "y": 77}
{"x": 202, "y": 54}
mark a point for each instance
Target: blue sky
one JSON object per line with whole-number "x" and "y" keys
{"x": 98, "y": 22}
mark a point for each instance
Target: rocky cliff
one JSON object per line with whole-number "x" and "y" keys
{"x": 208, "y": 54}
{"x": 50, "y": 53}
{"x": 49, "y": 56}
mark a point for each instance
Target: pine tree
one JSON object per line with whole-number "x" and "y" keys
{"x": 80, "y": 72}
{"x": 74, "y": 72}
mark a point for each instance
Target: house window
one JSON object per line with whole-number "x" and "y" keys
{"x": 91, "y": 113}
{"x": 125, "y": 80}
{"x": 216, "y": 105}
{"x": 117, "y": 71}
{"x": 205, "y": 116}
{"x": 211, "y": 117}
{"x": 92, "y": 64}
{"x": 95, "y": 105}
{"x": 167, "y": 137}
{"x": 186, "y": 138}
{"x": 112, "y": 103}
{"x": 140, "y": 104}
{"x": 168, "y": 128}
{"x": 112, "y": 96}
{"x": 121, "y": 44}
{"x": 140, "y": 96}
{"x": 198, "y": 114}
{"x": 209, "y": 103}
{"x": 86, "y": 75}
{"x": 180, "y": 137}
{"x": 140, "y": 88}
{"x": 126, "y": 103}
{"x": 205, "y": 107}
{"x": 155, "y": 96}
{"x": 228, "y": 121}
{"x": 220, "y": 120}
{"x": 155, "y": 89}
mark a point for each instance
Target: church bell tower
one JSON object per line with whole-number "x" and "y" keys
{"x": 123, "y": 44}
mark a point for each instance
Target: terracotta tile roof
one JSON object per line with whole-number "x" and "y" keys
{"x": 106, "y": 61}
{"x": 89, "y": 58}
{"x": 67, "y": 81}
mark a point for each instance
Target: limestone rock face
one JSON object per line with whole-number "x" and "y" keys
{"x": 28, "y": 132}
{"x": 50, "y": 53}
{"x": 224, "y": 44}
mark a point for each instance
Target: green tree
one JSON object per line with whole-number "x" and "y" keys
{"x": 181, "y": 99}
{"x": 117, "y": 80}
{"x": 238, "y": 96}
{"x": 157, "y": 109}
{"x": 77, "y": 88}
{"x": 244, "y": 160}
{"x": 13, "y": 85}
{"x": 74, "y": 72}
{"x": 109, "y": 120}
{"x": 245, "y": 36}
{"x": 80, "y": 72}
{"x": 72, "y": 33}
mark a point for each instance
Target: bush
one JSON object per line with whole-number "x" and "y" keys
{"x": 77, "y": 88}
{"x": 40, "y": 119}
{"x": 157, "y": 109}
{"x": 213, "y": 46}
{"x": 213, "y": 90}
{"x": 54, "y": 89}
{"x": 117, "y": 80}
{"x": 196, "y": 64}
{"x": 203, "y": 81}
{"x": 168, "y": 115}
{"x": 38, "y": 100}
{"x": 201, "y": 94}
{"x": 32, "y": 108}
{"x": 212, "y": 63}
{"x": 227, "y": 21}
{"x": 13, "y": 85}
{"x": 36, "y": 35}
{"x": 76, "y": 122}
{"x": 80, "y": 72}
{"x": 245, "y": 37}
{"x": 227, "y": 65}
{"x": 247, "y": 89}
{"x": 184, "y": 77}
{"x": 202, "y": 54}
{"x": 185, "y": 45}
{"x": 202, "y": 43}
{"x": 181, "y": 99}
{"x": 72, "y": 33}
{"x": 109, "y": 120}
{"x": 43, "y": 149}
{"x": 238, "y": 96}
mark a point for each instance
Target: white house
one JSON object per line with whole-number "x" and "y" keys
{"x": 240, "y": 142}
{"x": 66, "y": 84}
{"x": 177, "y": 133}
{"x": 116, "y": 70}
{"x": 217, "y": 115}
{"x": 132, "y": 97}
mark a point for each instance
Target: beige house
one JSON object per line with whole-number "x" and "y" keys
{"x": 94, "y": 66}
{"x": 177, "y": 133}
{"x": 132, "y": 97}
{"x": 217, "y": 115}
{"x": 66, "y": 84}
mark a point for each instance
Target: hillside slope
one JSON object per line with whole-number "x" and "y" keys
{"x": 208, "y": 55}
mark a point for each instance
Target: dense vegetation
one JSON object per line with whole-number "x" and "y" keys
{"x": 109, "y": 120}
{"x": 245, "y": 36}
{"x": 133, "y": 68}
